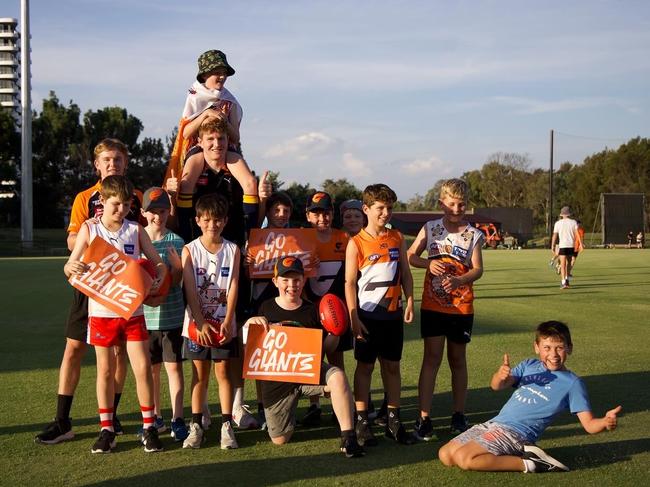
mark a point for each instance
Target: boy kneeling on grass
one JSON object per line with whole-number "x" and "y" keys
{"x": 281, "y": 398}
{"x": 544, "y": 388}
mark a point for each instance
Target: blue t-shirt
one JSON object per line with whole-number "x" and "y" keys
{"x": 539, "y": 396}
{"x": 169, "y": 315}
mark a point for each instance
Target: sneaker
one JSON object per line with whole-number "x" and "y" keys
{"x": 244, "y": 419}
{"x": 228, "y": 440}
{"x": 117, "y": 426}
{"x": 195, "y": 437}
{"x": 459, "y": 423}
{"x": 564, "y": 285}
{"x": 381, "y": 417}
{"x": 543, "y": 461}
{"x": 311, "y": 417}
{"x": 423, "y": 429}
{"x": 395, "y": 431}
{"x": 351, "y": 448}
{"x": 151, "y": 441}
{"x": 179, "y": 430}
{"x": 159, "y": 424}
{"x": 364, "y": 433}
{"x": 105, "y": 443}
{"x": 57, "y": 431}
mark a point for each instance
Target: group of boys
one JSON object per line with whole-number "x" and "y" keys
{"x": 367, "y": 265}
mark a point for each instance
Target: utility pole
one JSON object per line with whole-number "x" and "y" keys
{"x": 550, "y": 190}
{"x": 26, "y": 205}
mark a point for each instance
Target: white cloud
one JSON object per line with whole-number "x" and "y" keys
{"x": 420, "y": 166}
{"x": 355, "y": 167}
{"x": 305, "y": 146}
{"x": 533, "y": 106}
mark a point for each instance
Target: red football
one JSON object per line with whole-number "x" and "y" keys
{"x": 148, "y": 266}
{"x": 214, "y": 335}
{"x": 333, "y": 314}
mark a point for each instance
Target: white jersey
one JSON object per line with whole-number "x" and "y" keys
{"x": 212, "y": 275}
{"x": 566, "y": 228}
{"x": 125, "y": 239}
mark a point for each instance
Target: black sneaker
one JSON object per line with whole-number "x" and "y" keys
{"x": 105, "y": 443}
{"x": 311, "y": 417}
{"x": 351, "y": 448}
{"x": 381, "y": 417}
{"x": 395, "y": 431}
{"x": 57, "y": 431}
{"x": 423, "y": 429}
{"x": 364, "y": 433}
{"x": 117, "y": 426}
{"x": 459, "y": 423}
{"x": 542, "y": 460}
{"x": 151, "y": 441}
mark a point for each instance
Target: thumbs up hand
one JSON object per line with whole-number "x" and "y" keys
{"x": 610, "y": 418}
{"x": 504, "y": 370}
{"x": 265, "y": 187}
{"x": 171, "y": 185}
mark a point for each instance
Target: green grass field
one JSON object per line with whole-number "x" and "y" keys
{"x": 607, "y": 310}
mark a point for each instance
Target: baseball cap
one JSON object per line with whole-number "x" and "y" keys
{"x": 351, "y": 205}
{"x": 320, "y": 201}
{"x": 155, "y": 198}
{"x": 286, "y": 265}
{"x": 565, "y": 211}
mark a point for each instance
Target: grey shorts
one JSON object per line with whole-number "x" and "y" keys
{"x": 281, "y": 414}
{"x": 496, "y": 438}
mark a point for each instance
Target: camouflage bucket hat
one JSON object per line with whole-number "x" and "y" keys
{"x": 211, "y": 60}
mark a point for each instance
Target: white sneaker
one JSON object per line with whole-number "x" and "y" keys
{"x": 195, "y": 438}
{"x": 244, "y": 419}
{"x": 228, "y": 440}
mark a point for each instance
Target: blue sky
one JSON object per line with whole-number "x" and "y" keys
{"x": 399, "y": 92}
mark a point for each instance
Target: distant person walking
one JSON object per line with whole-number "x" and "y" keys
{"x": 565, "y": 234}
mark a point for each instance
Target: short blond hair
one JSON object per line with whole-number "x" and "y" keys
{"x": 218, "y": 125}
{"x": 111, "y": 144}
{"x": 456, "y": 188}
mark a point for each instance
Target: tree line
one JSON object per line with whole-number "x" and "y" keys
{"x": 63, "y": 141}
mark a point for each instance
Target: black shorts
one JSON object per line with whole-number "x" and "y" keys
{"x": 568, "y": 251}
{"x": 456, "y": 327}
{"x": 166, "y": 345}
{"x": 385, "y": 339}
{"x": 345, "y": 341}
{"x": 194, "y": 351}
{"x": 76, "y": 326}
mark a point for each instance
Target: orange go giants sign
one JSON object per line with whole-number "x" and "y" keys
{"x": 268, "y": 245}
{"x": 284, "y": 354}
{"x": 114, "y": 279}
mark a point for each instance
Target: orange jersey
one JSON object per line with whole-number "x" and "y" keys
{"x": 455, "y": 250}
{"x": 86, "y": 205}
{"x": 379, "y": 284}
{"x": 330, "y": 276}
{"x": 580, "y": 239}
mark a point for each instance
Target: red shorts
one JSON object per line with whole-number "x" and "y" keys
{"x": 106, "y": 332}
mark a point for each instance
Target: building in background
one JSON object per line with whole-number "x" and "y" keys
{"x": 10, "y": 67}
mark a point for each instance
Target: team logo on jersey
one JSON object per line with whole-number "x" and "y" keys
{"x": 393, "y": 254}
{"x": 373, "y": 257}
{"x": 459, "y": 252}
{"x": 200, "y": 271}
{"x": 129, "y": 249}
{"x": 383, "y": 245}
{"x": 437, "y": 230}
{"x": 433, "y": 249}
{"x": 225, "y": 271}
